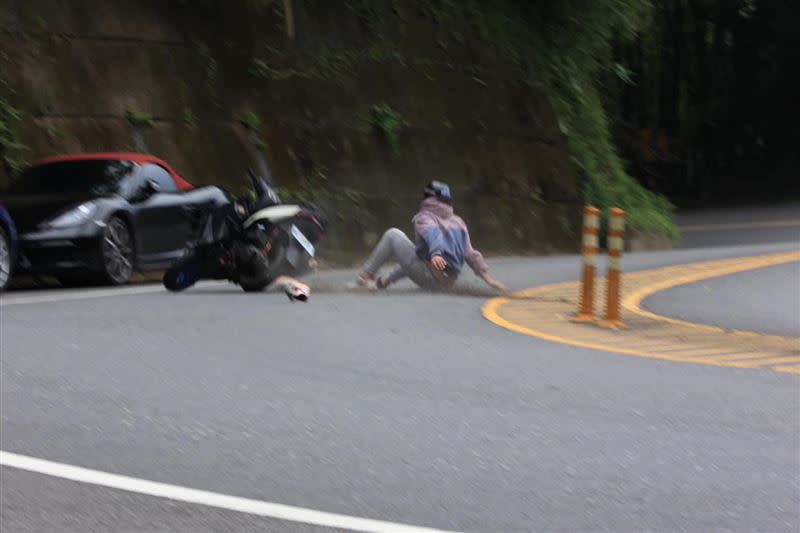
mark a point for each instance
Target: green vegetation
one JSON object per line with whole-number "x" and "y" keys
{"x": 252, "y": 124}
{"x": 12, "y": 149}
{"x": 211, "y": 71}
{"x": 138, "y": 119}
{"x": 250, "y": 121}
{"x": 571, "y": 58}
{"x": 388, "y": 122}
{"x": 678, "y": 95}
{"x": 584, "y": 122}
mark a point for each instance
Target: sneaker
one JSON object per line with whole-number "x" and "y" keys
{"x": 363, "y": 282}
{"x": 295, "y": 292}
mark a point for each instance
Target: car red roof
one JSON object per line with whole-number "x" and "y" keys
{"x": 135, "y": 157}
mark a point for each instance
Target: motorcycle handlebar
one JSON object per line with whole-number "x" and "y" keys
{"x": 261, "y": 189}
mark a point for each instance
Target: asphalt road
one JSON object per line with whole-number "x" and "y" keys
{"x": 765, "y": 300}
{"x": 404, "y": 407}
{"x": 740, "y": 226}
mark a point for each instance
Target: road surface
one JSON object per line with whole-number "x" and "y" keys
{"x": 765, "y": 300}
{"x": 405, "y": 407}
{"x": 740, "y": 226}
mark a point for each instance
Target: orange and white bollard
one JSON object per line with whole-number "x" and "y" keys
{"x": 591, "y": 225}
{"x": 616, "y": 232}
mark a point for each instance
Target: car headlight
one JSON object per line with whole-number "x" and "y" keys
{"x": 73, "y": 217}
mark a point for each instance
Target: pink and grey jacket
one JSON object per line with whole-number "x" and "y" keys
{"x": 440, "y": 232}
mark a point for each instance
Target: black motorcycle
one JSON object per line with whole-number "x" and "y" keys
{"x": 250, "y": 242}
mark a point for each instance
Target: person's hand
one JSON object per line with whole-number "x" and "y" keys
{"x": 499, "y": 285}
{"x": 493, "y": 283}
{"x": 439, "y": 263}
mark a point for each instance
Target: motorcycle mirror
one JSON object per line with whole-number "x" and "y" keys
{"x": 259, "y": 186}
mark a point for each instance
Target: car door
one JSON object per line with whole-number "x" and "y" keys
{"x": 162, "y": 218}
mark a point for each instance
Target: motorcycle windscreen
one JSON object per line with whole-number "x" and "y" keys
{"x": 310, "y": 229}
{"x": 300, "y": 251}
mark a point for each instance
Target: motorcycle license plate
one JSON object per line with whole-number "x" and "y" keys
{"x": 304, "y": 242}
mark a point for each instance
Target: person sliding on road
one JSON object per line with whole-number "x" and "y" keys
{"x": 442, "y": 248}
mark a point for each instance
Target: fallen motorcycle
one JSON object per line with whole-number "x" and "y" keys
{"x": 250, "y": 242}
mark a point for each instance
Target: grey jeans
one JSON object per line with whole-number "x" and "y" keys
{"x": 395, "y": 246}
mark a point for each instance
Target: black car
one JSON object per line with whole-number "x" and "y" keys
{"x": 8, "y": 247}
{"x": 99, "y": 217}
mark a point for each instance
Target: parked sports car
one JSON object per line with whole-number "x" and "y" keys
{"x": 8, "y": 248}
{"x": 98, "y": 217}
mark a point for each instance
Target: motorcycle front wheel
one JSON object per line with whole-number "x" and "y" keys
{"x": 182, "y": 275}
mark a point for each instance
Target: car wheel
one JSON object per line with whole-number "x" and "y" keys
{"x": 118, "y": 253}
{"x": 5, "y": 260}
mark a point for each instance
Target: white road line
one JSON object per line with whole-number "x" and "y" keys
{"x": 202, "y": 497}
{"x": 66, "y": 296}
{"x": 77, "y": 295}
{"x": 741, "y": 225}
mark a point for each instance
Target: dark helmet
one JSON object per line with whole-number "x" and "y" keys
{"x": 439, "y": 190}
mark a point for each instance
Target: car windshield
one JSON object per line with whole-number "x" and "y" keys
{"x": 93, "y": 177}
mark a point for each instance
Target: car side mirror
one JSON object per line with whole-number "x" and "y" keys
{"x": 148, "y": 189}
{"x": 152, "y": 187}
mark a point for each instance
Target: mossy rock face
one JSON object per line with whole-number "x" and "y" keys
{"x": 77, "y": 67}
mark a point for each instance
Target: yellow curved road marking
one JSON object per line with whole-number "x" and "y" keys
{"x": 490, "y": 312}
{"x": 632, "y": 304}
